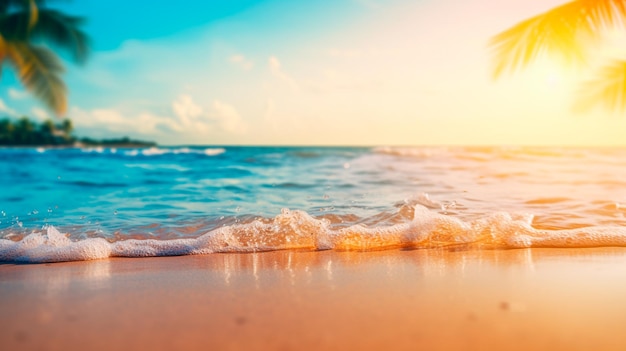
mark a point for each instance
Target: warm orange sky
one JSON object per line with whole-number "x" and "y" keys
{"x": 341, "y": 72}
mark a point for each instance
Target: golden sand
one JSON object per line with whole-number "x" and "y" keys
{"x": 534, "y": 299}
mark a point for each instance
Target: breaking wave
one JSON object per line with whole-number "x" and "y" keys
{"x": 292, "y": 230}
{"x": 155, "y": 151}
{"x": 151, "y": 151}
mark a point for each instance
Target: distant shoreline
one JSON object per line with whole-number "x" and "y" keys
{"x": 79, "y": 146}
{"x": 26, "y": 133}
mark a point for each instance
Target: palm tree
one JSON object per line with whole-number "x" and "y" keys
{"x": 568, "y": 32}
{"x": 7, "y": 131}
{"x": 67, "y": 127}
{"x": 25, "y": 25}
{"x": 24, "y": 129}
{"x": 47, "y": 127}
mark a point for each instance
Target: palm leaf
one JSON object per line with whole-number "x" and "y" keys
{"x": 52, "y": 26}
{"x": 5, "y": 5}
{"x": 563, "y": 32}
{"x": 33, "y": 12}
{"x": 3, "y": 50}
{"x": 39, "y": 69}
{"x": 64, "y": 31}
{"x": 607, "y": 88}
{"x": 15, "y": 25}
{"x": 29, "y": 7}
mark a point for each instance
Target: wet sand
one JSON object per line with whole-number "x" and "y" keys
{"x": 535, "y": 299}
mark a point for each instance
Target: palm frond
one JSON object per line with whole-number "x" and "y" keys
{"x": 64, "y": 31}
{"x": 3, "y": 49}
{"x": 14, "y": 26}
{"x": 6, "y": 5}
{"x": 53, "y": 26}
{"x": 3, "y": 52}
{"x": 562, "y": 32}
{"x": 33, "y": 12}
{"x": 20, "y": 3}
{"x": 607, "y": 88}
{"x": 31, "y": 7}
{"x": 39, "y": 69}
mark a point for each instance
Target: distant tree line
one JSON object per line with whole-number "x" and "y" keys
{"x": 124, "y": 141}
{"x": 24, "y": 132}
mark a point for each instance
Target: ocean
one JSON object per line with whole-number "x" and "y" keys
{"x": 81, "y": 204}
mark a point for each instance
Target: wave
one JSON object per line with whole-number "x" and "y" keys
{"x": 292, "y": 230}
{"x": 488, "y": 153}
{"x": 98, "y": 150}
{"x": 155, "y": 151}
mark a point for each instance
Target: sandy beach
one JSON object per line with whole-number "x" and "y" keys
{"x": 313, "y": 175}
{"x": 571, "y": 299}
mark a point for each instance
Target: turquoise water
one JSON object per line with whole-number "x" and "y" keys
{"x": 192, "y": 200}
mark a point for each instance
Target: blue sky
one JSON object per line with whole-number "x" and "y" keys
{"x": 355, "y": 72}
{"x": 115, "y": 21}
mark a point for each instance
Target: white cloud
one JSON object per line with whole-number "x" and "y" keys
{"x": 277, "y": 71}
{"x": 228, "y": 118}
{"x": 190, "y": 117}
{"x": 114, "y": 121}
{"x": 110, "y": 118}
{"x": 7, "y": 110}
{"x": 16, "y": 94}
{"x": 153, "y": 124}
{"x": 241, "y": 61}
{"x": 186, "y": 110}
{"x": 40, "y": 113}
{"x": 187, "y": 118}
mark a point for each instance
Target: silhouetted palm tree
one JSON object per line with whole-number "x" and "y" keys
{"x": 47, "y": 127}
{"x": 568, "y": 32}
{"x": 24, "y": 129}
{"x": 67, "y": 127}
{"x": 24, "y": 26}
{"x": 7, "y": 131}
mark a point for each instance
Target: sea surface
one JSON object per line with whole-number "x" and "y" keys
{"x": 81, "y": 204}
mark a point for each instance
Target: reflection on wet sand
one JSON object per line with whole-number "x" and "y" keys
{"x": 57, "y": 277}
{"x": 428, "y": 263}
{"x": 290, "y": 264}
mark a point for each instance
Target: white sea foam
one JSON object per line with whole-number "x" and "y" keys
{"x": 214, "y": 152}
{"x": 53, "y": 246}
{"x": 152, "y": 151}
{"x": 156, "y": 151}
{"x": 98, "y": 150}
{"x": 299, "y": 230}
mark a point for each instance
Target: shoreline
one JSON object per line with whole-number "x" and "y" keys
{"x": 79, "y": 146}
{"x": 434, "y": 299}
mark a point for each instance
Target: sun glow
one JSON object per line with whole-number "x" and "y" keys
{"x": 549, "y": 77}
{"x": 553, "y": 79}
